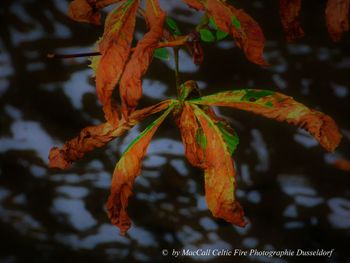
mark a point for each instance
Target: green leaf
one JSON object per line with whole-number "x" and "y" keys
{"x": 236, "y": 22}
{"x": 172, "y": 25}
{"x": 206, "y": 35}
{"x": 161, "y": 53}
{"x": 212, "y": 23}
{"x": 230, "y": 137}
{"x": 220, "y": 35}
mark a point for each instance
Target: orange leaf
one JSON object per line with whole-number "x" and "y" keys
{"x": 196, "y": 4}
{"x": 125, "y": 172}
{"x": 337, "y": 18}
{"x": 115, "y": 47}
{"x": 130, "y": 84}
{"x": 87, "y": 11}
{"x": 289, "y": 13}
{"x": 191, "y": 134}
{"x": 342, "y": 164}
{"x": 280, "y": 107}
{"x": 220, "y": 175}
{"x": 98, "y": 136}
{"x": 243, "y": 28}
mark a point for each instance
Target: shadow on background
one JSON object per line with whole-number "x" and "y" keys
{"x": 292, "y": 194}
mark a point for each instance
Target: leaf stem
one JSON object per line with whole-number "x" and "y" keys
{"x": 77, "y": 55}
{"x": 178, "y": 42}
{"x": 177, "y": 70}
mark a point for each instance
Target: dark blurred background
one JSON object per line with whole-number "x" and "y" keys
{"x": 293, "y": 194}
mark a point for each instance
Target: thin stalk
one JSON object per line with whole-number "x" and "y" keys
{"x": 178, "y": 42}
{"x": 177, "y": 70}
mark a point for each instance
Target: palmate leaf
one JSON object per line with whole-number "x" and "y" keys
{"x": 125, "y": 172}
{"x": 115, "y": 47}
{"x": 289, "y": 13}
{"x": 280, "y": 107}
{"x": 131, "y": 84}
{"x": 337, "y": 18}
{"x": 219, "y": 173}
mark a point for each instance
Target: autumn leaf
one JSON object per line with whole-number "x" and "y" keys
{"x": 337, "y": 18}
{"x": 243, "y": 28}
{"x": 125, "y": 172}
{"x": 115, "y": 47}
{"x": 87, "y": 11}
{"x": 195, "y": 4}
{"x": 280, "y": 107}
{"x": 220, "y": 175}
{"x": 192, "y": 136}
{"x": 289, "y": 13}
{"x": 342, "y": 164}
{"x": 130, "y": 83}
{"x": 98, "y": 136}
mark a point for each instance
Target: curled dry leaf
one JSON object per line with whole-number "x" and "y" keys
{"x": 289, "y": 13}
{"x": 115, "y": 47}
{"x": 280, "y": 107}
{"x": 130, "y": 84}
{"x": 220, "y": 181}
{"x": 243, "y": 28}
{"x": 337, "y": 18}
{"x": 97, "y": 136}
{"x": 87, "y": 11}
{"x": 125, "y": 172}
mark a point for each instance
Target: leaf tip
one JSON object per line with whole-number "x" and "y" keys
{"x": 57, "y": 159}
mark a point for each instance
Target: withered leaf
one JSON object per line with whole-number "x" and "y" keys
{"x": 125, "y": 172}
{"x": 192, "y": 136}
{"x": 289, "y": 13}
{"x": 87, "y": 11}
{"x": 97, "y": 136}
{"x": 220, "y": 175}
{"x": 195, "y": 4}
{"x": 342, "y": 164}
{"x": 115, "y": 47}
{"x": 130, "y": 83}
{"x": 243, "y": 28}
{"x": 337, "y": 18}
{"x": 280, "y": 107}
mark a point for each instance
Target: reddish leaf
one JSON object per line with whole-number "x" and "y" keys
{"x": 289, "y": 13}
{"x": 87, "y": 11}
{"x": 192, "y": 136}
{"x": 196, "y": 4}
{"x": 337, "y": 18}
{"x": 130, "y": 84}
{"x": 342, "y": 164}
{"x": 243, "y": 28}
{"x": 97, "y": 136}
{"x": 115, "y": 47}
{"x": 279, "y": 107}
{"x": 195, "y": 47}
{"x": 220, "y": 181}
{"x": 126, "y": 170}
